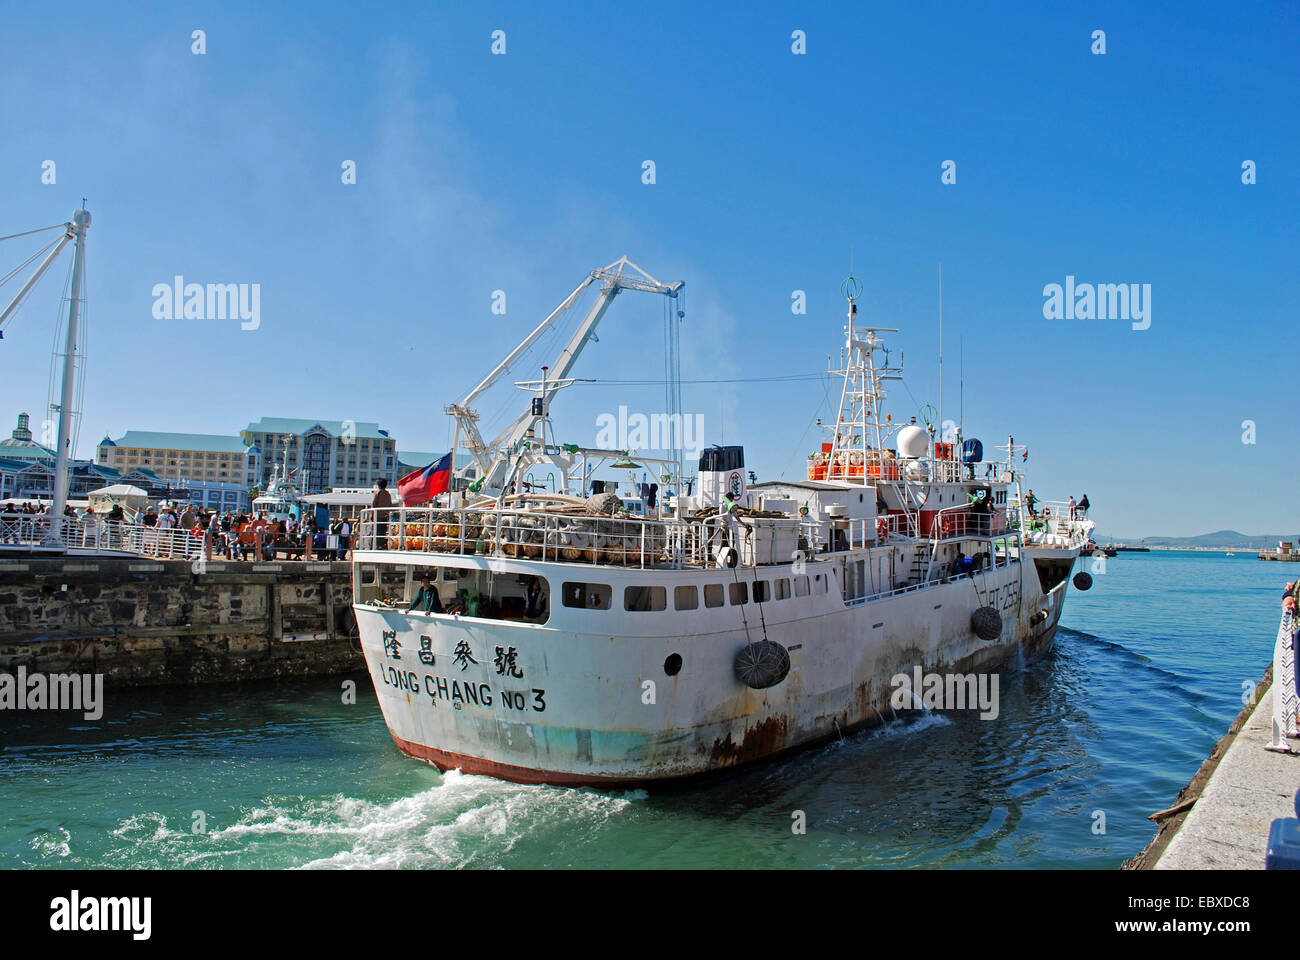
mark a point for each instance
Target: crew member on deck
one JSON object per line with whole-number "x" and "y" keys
{"x": 427, "y": 598}
{"x": 534, "y": 601}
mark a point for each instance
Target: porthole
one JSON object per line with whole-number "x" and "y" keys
{"x": 673, "y": 665}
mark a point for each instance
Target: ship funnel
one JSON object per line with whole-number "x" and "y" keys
{"x": 722, "y": 472}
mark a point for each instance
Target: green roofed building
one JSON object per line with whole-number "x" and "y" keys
{"x": 215, "y": 470}
{"x": 19, "y": 445}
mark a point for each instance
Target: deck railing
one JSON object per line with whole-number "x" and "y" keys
{"x": 537, "y": 535}
{"x": 854, "y": 466}
{"x": 1052, "y": 522}
{"x": 648, "y": 543}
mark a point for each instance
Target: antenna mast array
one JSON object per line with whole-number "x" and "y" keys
{"x": 863, "y": 393}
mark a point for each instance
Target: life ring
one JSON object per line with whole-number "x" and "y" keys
{"x": 945, "y": 525}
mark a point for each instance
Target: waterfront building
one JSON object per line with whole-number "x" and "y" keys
{"x": 10, "y": 473}
{"x": 324, "y": 454}
{"x": 19, "y": 445}
{"x": 213, "y": 470}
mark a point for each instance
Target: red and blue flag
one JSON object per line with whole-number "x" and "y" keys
{"x": 421, "y": 486}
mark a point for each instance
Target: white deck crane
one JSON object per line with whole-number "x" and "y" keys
{"x": 492, "y": 458}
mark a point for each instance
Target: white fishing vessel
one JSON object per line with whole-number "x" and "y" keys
{"x": 716, "y": 629}
{"x": 282, "y": 499}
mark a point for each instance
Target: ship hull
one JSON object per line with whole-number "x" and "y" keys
{"x": 566, "y": 702}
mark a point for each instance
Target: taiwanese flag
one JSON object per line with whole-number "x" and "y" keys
{"x": 420, "y": 486}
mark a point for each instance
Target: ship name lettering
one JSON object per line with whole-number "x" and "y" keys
{"x": 1003, "y": 597}
{"x": 518, "y": 699}
{"x": 400, "y": 679}
{"x": 457, "y": 691}
{"x": 514, "y": 699}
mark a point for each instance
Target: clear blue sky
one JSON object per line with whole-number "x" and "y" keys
{"x": 522, "y": 172}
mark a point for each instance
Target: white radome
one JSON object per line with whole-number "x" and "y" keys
{"x": 913, "y": 442}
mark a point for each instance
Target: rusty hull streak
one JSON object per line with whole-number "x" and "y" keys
{"x": 763, "y": 740}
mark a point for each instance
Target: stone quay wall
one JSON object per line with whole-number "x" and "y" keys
{"x": 141, "y": 622}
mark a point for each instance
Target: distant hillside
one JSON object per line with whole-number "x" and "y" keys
{"x": 1228, "y": 539}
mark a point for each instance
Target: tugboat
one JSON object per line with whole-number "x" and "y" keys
{"x": 560, "y": 638}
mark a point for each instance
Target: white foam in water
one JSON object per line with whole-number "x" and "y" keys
{"x": 132, "y": 827}
{"x": 464, "y": 820}
{"x": 898, "y": 727}
{"x": 47, "y": 845}
{"x": 904, "y": 726}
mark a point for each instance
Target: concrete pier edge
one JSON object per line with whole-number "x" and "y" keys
{"x": 1170, "y": 827}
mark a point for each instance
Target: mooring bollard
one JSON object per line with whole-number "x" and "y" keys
{"x": 1285, "y": 701}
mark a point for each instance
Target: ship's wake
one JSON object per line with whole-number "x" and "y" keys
{"x": 463, "y": 821}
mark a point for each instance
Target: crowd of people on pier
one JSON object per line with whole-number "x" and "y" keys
{"x": 234, "y": 535}
{"x": 256, "y": 536}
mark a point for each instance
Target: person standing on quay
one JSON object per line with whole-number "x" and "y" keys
{"x": 345, "y": 537}
{"x": 382, "y": 498}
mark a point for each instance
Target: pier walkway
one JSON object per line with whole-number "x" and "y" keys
{"x": 1228, "y": 827}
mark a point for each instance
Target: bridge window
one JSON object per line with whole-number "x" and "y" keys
{"x": 739, "y": 594}
{"x": 801, "y": 586}
{"x": 686, "y": 597}
{"x": 645, "y": 598}
{"x": 781, "y": 588}
{"x": 713, "y": 594}
{"x": 591, "y": 596}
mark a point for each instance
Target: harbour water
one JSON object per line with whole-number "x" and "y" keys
{"x": 1148, "y": 670}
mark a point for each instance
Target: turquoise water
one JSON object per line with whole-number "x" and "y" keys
{"x": 1146, "y": 675}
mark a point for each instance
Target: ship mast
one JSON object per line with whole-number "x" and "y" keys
{"x": 80, "y": 224}
{"x": 863, "y": 394}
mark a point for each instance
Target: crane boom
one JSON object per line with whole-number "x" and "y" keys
{"x": 541, "y": 328}
{"x": 613, "y": 279}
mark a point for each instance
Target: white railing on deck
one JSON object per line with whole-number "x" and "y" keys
{"x": 662, "y": 542}
{"x": 535, "y": 535}
{"x": 1053, "y": 521}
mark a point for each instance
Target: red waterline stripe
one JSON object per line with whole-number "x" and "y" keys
{"x": 445, "y": 761}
